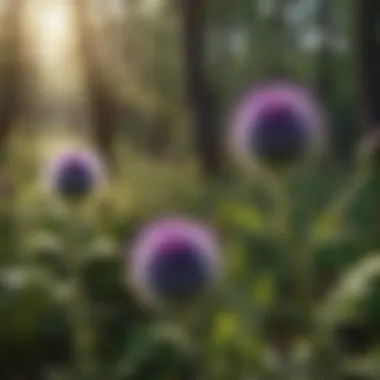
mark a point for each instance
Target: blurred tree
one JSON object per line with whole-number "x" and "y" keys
{"x": 325, "y": 78}
{"x": 104, "y": 106}
{"x": 201, "y": 95}
{"x": 368, "y": 12}
{"x": 10, "y": 68}
{"x": 369, "y": 58}
{"x": 278, "y": 32}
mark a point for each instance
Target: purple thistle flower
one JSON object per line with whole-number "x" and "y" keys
{"x": 277, "y": 123}
{"x": 174, "y": 260}
{"x": 74, "y": 173}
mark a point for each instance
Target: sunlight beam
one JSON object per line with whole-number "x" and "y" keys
{"x": 55, "y": 21}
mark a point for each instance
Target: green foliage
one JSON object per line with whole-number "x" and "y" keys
{"x": 256, "y": 313}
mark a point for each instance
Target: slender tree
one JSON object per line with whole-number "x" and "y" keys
{"x": 201, "y": 96}
{"x": 276, "y": 52}
{"x": 103, "y": 104}
{"x": 368, "y": 49}
{"x": 324, "y": 67}
{"x": 10, "y": 68}
{"x": 368, "y": 17}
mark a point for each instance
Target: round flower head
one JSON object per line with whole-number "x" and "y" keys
{"x": 74, "y": 173}
{"x": 276, "y": 124}
{"x": 174, "y": 260}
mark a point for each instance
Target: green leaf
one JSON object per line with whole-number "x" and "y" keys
{"x": 328, "y": 228}
{"x": 263, "y": 290}
{"x": 241, "y": 215}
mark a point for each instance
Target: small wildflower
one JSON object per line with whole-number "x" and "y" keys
{"x": 74, "y": 174}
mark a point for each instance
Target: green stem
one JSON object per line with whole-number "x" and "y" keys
{"x": 299, "y": 255}
{"x": 78, "y": 308}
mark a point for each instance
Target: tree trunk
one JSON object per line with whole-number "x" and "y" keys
{"x": 103, "y": 105}
{"x": 324, "y": 67}
{"x": 10, "y": 69}
{"x": 368, "y": 13}
{"x": 276, "y": 58}
{"x": 201, "y": 97}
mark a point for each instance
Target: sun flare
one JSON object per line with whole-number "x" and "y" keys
{"x": 50, "y": 28}
{"x": 55, "y": 21}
